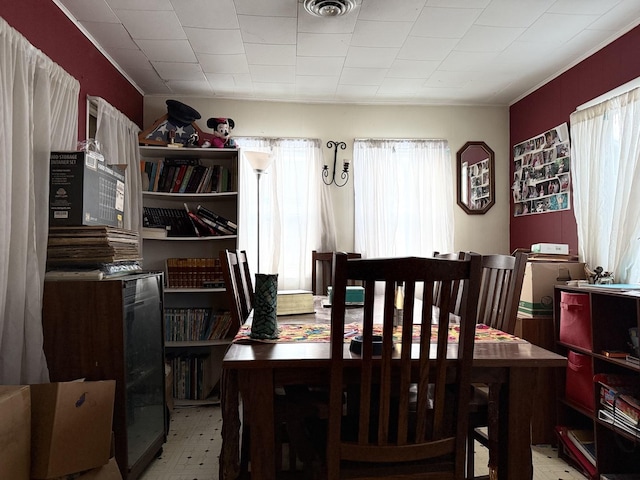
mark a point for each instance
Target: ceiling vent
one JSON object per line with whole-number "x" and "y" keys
{"x": 329, "y": 8}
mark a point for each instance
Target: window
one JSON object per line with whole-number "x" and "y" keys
{"x": 403, "y": 197}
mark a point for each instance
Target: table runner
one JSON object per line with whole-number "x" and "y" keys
{"x": 320, "y": 333}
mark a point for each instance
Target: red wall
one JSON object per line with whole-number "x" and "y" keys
{"x": 43, "y": 24}
{"x": 550, "y": 106}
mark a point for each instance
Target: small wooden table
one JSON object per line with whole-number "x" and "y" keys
{"x": 253, "y": 371}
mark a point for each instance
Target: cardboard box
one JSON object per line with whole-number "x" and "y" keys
{"x": 70, "y": 427}
{"x": 84, "y": 190}
{"x": 536, "y": 298}
{"x": 553, "y": 248}
{"x": 109, "y": 471}
{"x": 15, "y": 432}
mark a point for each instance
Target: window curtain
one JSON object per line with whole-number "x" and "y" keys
{"x": 403, "y": 197}
{"x": 296, "y": 215}
{"x": 118, "y": 140}
{"x": 605, "y": 169}
{"x": 39, "y": 114}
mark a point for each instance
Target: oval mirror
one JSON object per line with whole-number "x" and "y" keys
{"x": 476, "y": 178}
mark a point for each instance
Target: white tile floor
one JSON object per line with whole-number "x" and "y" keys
{"x": 193, "y": 447}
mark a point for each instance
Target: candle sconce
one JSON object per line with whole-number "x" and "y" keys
{"x": 344, "y": 175}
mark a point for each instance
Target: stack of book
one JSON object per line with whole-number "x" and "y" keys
{"x": 578, "y": 445}
{"x": 177, "y": 222}
{"x": 619, "y": 398}
{"x": 96, "y": 249}
{"x": 194, "y": 273}
{"x": 187, "y": 175}
{"x": 187, "y": 324}
{"x": 294, "y": 302}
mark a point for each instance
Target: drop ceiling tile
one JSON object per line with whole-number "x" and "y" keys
{"x": 319, "y": 66}
{"x": 466, "y": 61}
{"x": 321, "y": 45}
{"x": 223, "y": 63}
{"x": 445, "y": 22}
{"x": 583, "y": 7}
{"x": 488, "y": 39}
{"x": 362, "y": 76}
{"x": 130, "y": 59}
{"x": 261, "y": 54}
{"x": 380, "y": 34}
{"x": 179, "y": 71}
{"x": 621, "y": 18}
{"x": 168, "y": 50}
{"x": 364, "y": 57}
{"x": 428, "y": 49}
{"x": 384, "y": 10}
{"x": 218, "y": 81}
{"x": 556, "y": 29}
{"x": 274, "y": 30}
{"x": 157, "y": 25}
{"x": 390, "y": 86}
{"x": 110, "y": 35}
{"x": 510, "y": 13}
{"x": 272, "y": 8}
{"x": 202, "y": 14}
{"x": 447, "y": 79}
{"x": 140, "y": 4}
{"x": 185, "y": 87}
{"x": 412, "y": 69}
{"x": 215, "y": 42}
{"x": 96, "y": 11}
{"x": 458, "y": 3}
{"x": 317, "y": 82}
{"x": 356, "y": 91}
{"x": 273, "y": 74}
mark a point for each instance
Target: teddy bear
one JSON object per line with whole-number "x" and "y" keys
{"x": 221, "y": 133}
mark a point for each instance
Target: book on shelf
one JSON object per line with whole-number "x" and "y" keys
{"x": 575, "y": 454}
{"x": 193, "y": 272}
{"x": 619, "y": 394}
{"x": 222, "y": 221}
{"x": 294, "y": 302}
{"x": 187, "y": 324}
{"x": 584, "y": 440}
{"x": 155, "y": 232}
{"x": 613, "y": 417}
{"x": 187, "y": 175}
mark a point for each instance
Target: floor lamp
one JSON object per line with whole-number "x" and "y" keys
{"x": 259, "y": 161}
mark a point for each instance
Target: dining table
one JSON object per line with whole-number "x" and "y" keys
{"x": 252, "y": 369}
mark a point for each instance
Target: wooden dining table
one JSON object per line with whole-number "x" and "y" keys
{"x": 251, "y": 370}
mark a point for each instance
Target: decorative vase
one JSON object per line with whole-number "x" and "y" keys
{"x": 265, "y": 323}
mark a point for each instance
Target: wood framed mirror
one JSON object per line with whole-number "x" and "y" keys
{"x": 476, "y": 178}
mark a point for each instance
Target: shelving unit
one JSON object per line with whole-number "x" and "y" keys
{"x": 610, "y": 315}
{"x": 196, "y": 364}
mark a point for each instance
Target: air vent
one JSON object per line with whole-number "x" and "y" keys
{"x": 329, "y": 8}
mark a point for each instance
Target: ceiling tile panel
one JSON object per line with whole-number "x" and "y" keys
{"x": 556, "y": 29}
{"x": 424, "y": 48}
{"x": 168, "y": 50}
{"x": 179, "y": 71}
{"x": 363, "y": 57}
{"x": 319, "y": 65}
{"x": 487, "y": 39}
{"x": 384, "y": 10}
{"x": 260, "y": 54}
{"x": 91, "y": 11}
{"x": 275, "y": 30}
{"x": 152, "y": 25}
{"x": 110, "y": 35}
{"x": 322, "y": 45}
{"x": 445, "y": 22}
{"x": 513, "y": 13}
{"x": 223, "y": 63}
{"x": 380, "y": 34}
{"x": 148, "y": 5}
{"x": 223, "y": 42}
{"x": 202, "y": 14}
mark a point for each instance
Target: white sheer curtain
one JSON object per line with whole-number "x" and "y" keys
{"x": 403, "y": 197}
{"x": 295, "y": 210}
{"x": 39, "y": 114}
{"x": 605, "y": 168}
{"x": 118, "y": 138}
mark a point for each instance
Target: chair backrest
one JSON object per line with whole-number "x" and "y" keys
{"x": 386, "y": 430}
{"x": 246, "y": 285}
{"x": 233, "y": 284}
{"x": 502, "y": 277}
{"x": 321, "y": 270}
{"x": 456, "y": 284}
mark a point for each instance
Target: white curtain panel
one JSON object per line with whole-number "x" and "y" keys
{"x": 605, "y": 168}
{"x": 403, "y": 197}
{"x": 296, "y": 215}
{"x": 39, "y": 114}
{"x": 118, "y": 139}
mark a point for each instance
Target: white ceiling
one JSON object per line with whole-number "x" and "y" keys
{"x": 420, "y": 52}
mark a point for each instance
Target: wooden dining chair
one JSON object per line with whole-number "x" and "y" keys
{"x": 321, "y": 269}
{"x": 502, "y": 277}
{"x": 246, "y": 284}
{"x": 386, "y": 437}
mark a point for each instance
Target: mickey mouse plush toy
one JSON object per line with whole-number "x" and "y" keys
{"x": 221, "y": 133}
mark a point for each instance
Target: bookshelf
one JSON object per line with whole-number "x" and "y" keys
{"x": 197, "y": 332}
{"x": 605, "y": 316}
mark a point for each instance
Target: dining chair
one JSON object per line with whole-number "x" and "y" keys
{"x": 246, "y": 285}
{"x": 386, "y": 437}
{"x": 321, "y": 269}
{"x": 502, "y": 277}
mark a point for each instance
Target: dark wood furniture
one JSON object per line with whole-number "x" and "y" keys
{"x": 321, "y": 270}
{"x": 382, "y": 435}
{"x": 611, "y": 313}
{"x": 254, "y": 370}
{"x": 113, "y": 330}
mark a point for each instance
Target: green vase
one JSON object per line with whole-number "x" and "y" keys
{"x": 265, "y": 323}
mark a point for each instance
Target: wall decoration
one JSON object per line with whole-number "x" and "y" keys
{"x": 541, "y": 178}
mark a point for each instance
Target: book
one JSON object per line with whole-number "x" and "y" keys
{"x": 294, "y": 302}
{"x": 154, "y": 232}
{"x": 584, "y": 440}
{"x": 619, "y": 394}
{"x": 216, "y": 226}
{"x": 225, "y": 222}
{"x": 574, "y": 453}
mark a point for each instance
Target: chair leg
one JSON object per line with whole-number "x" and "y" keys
{"x": 470, "y": 454}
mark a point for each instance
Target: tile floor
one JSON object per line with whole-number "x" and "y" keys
{"x": 193, "y": 447}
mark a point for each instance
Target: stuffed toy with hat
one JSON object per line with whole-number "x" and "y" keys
{"x": 177, "y": 128}
{"x": 221, "y": 133}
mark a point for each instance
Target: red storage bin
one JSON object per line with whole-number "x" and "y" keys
{"x": 579, "y": 384}
{"x": 575, "y": 319}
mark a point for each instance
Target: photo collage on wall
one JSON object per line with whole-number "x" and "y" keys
{"x": 541, "y": 178}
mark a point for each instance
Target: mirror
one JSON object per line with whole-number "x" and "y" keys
{"x": 476, "y": 178}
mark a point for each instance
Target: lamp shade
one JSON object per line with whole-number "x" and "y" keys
{"x": 259, "y": 161}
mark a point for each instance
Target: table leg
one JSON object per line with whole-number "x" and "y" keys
{"x": 260, "y": 391}
{"x": 229, "y": 468}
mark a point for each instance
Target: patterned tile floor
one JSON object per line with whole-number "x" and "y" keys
{"x": 193, "y": 447}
